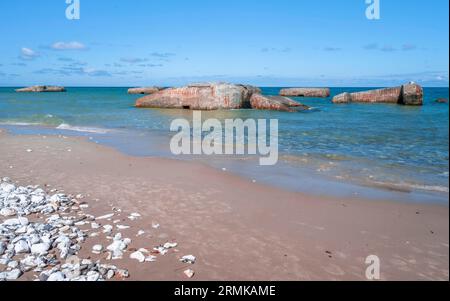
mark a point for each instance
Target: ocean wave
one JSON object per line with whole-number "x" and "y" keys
{"x": 411, "y": 186}
{"x": 68, "y": 127}
{"x": 52, "y": 122}
{"x": 18, "y": 123}
{"x": 34, "y": 120}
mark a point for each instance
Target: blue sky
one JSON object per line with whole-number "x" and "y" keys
{"x": 265, "y": 42}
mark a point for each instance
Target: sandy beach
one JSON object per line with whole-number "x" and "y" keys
{"x": 237, "y": 229}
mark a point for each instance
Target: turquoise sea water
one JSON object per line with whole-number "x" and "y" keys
{"x": 352, "y": 148}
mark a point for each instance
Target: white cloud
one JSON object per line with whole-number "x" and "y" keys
{"x": 28, "y": 54}
{"x": 68, "y": 46}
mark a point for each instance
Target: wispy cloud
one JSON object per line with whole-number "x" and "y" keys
{"x": 163, "y": 55}
{"x": 65, "y": 59}
{"x": 274, "y": 49}
{"x": 150, "y": 65}
{"x": 133, "y": 60}
{"x": 116, "y": 65}
{"x": 70, "y": 71}
{"x": 28, "y": 54}
{"x": 95, "y": 72}
{"x": 72, "y": 62}
{"x": 68, "y": 46}
{"x": 2, "y": 74}
{"x": 388, "y": 48}
{"x": 120, "y": 73}
{"x": 408, "y": 47}
{"x": 332, "y": 49}
{"x": 124, "y": 73}
{"x": 372, "y": 46}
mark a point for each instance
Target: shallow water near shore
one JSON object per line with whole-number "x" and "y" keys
{"x": 357, "y": 150}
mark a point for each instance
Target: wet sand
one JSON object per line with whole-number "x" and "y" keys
{"x": 238, "y": 230}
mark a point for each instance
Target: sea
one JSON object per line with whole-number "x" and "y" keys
{"x": 371, "y": 151}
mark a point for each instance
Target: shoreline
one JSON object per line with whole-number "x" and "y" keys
{"x": 234, "y": 226}
{"x": 283, "y": 176}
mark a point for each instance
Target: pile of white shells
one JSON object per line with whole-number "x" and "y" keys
{"x": 39, "y": 235}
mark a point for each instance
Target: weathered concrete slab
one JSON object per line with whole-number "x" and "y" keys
{"x": 306, "y": 92}
{"x": 409, "y": 94}
{"x": 38, "y": 89}
{"x": 144, "y": 90}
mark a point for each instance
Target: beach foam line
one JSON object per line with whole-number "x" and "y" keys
{"x": 68, "y": 127}
{"x": 433, "y": 188}
{"x": 63, "y": 126}
{"x": 20, "y": 123}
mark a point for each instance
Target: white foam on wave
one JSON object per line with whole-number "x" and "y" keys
{"x": 432, "y": 188}
{"x": 20, "y": 123}
{"x": 83, "y": 129}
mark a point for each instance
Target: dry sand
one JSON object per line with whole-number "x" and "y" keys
{"x": 238, "y": 230}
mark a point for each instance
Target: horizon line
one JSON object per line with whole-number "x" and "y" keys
{"x": 260, "y": 86}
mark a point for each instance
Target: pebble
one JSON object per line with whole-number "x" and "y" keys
{"x": 118, "y": 246}
{"x": 107, "y": 216}
{"x": 23, "y": 221}
{"x": 110, "y": 274}
{"x": 155, "y": 225}
{"x": 170, "y": 245}
{"x": 57, "y": 276}
{"x": 64, "y": 229}
{"x": 138, "y": 256}
{"x": 93, "y": 276}
{"x": 122, "y": 227}
{"x": 123, "y": 273}
{"x": 7, "y": 212}
{"x": 13, "y": 275}
{"x": 134, "y": 216}
{"x": 2, "y": 247}
{"x": 189, "y": 273}
{"x": 107, "y": 229}
{"x": 188, "y": 259}
{"x": 13, "y": 264}
{"x": 97, "y": 249}
{"x": 150, "y": 258}
{"x": 40, "y": 248}
{"x": 95, "y": 226}
{"x": 21, "y": 247}
{"x": 161, "y": 250}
